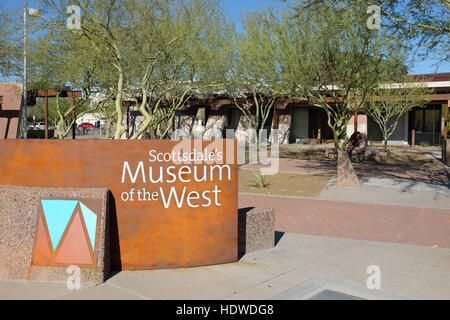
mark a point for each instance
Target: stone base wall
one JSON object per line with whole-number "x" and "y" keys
{"x": 256, "y": 229}
{"x": 39, "y": 240}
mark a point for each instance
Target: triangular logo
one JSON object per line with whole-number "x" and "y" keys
{"x": 90, "y": 218}
{"x": 75, "y": 248}
{"x": 57, "y": 214}
{"x": 42, "y": 251}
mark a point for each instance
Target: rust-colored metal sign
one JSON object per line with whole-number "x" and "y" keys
{"x": 175, "y": 201}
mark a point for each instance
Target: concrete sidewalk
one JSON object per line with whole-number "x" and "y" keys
{"x": 299, "y": 267}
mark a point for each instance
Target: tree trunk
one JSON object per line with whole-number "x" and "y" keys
{"x": 108, "y": 128}
{"x": 60, "y": 128}
{"x": 386, "y": 150}
{"x": 152, "y": 132}
{"x": 120, "y": 128}
{"x": 346, "y": 176}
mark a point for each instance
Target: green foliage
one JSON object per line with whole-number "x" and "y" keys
{"x": 387, "y": 104}
{"x": 331, "y": 58}
{"x": 253, "y": 80}
{"x": 171, "y": 55}
{"x": 56, "y": 108}
{"x": 424, "y": 24}
{"x": 156, "y": 52}
{"x": 260, "y": 180}
{"x": 38, "y": 110}
{"x": 163, "y": 53}
{"x": 9, "y": 53}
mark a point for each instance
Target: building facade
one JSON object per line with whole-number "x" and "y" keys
{"x": 298, "y": 122}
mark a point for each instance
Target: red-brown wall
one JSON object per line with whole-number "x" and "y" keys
{"x": 10, "y": 109}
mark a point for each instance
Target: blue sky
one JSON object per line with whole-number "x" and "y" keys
{"x": 235, "y": 7}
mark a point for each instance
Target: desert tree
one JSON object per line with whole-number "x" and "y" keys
{"x": 143, "y": 47}
{"x": 422, "y": 14}
{"x": 9, "y": 50}
{"x": 104, "y": 25}
{"x": 254, "y": 83}
{"x": 107, "y": 112}
{"x": 389, "y": 101}
{"x": 332, "y": 60}
{"x": 425, "y": 23}
{"x": 59, "y": 58}
{"x": 173, "y": 51}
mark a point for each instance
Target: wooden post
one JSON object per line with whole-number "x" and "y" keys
{"x": 173, "y": 122}
{"x": 445, "y": 119}
{"x": 275, "y": 118}
{"x": 444, "y": 156}
{"x": 128, "y": 122}
{"x": 128, "y": 105}
{"x": 319, "y": 126}
{"x": 46, "y": 116}
{"x": 73, "y": 117}
{"x": 73, "y": 95}
{"x": 413, "y": 138}
{"x": 355, "y": 122}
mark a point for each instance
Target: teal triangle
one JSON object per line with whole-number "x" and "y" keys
{"x": 90, "y": 218}
{"x": 57, "y": 213}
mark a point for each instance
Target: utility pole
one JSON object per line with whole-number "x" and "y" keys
{"x": 32, "y": 13}
{"x": 25, "y": 126}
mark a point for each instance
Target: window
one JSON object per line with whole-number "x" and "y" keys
{"x": 432, "y": 120}
{"x": 418, "y": 122}
{"x": 427, "y": 120}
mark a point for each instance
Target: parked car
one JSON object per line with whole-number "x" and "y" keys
{"x": 87, "y": 125}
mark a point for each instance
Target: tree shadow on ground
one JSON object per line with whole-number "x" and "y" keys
{"x": 413, "y": 175}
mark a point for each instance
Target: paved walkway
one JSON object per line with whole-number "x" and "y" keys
{"x": 378, "y": 222}
{"x": 393, "y": 204}
{"x": 299, "y": 267}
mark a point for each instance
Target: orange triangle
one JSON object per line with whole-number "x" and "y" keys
{"x": 74, "y": 249}
{"x": 42, "y": 243}
{"x": 39, "y": 259}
